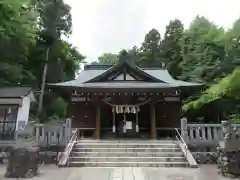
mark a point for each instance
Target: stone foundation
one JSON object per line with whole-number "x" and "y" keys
{"x": 229, "y": 151}
{"x": 229, "y": 163}
{"x": 204, "y": 154}
{"x": 47, "y": 155}
{"x": 19, "y": 156}
{"x": 205, "y": 157}
{"x": 202, "y": 148}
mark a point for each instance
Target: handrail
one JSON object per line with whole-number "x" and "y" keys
{"x": 63, "y": 160}
{"x": 183, "y": 145}
{"x": 180, "y": 137}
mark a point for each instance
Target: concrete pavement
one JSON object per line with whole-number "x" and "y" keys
{"x": 205, "y": 172}
{"x": 51, "y": 172}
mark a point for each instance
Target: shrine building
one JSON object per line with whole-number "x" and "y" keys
{"x": 124, "y": 100}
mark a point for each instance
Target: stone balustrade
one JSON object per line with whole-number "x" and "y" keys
{"x": 203, "y": 134}
{"x": 48, "y": 134}
{"x": 58, "y": 133}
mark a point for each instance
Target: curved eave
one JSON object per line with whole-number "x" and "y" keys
{"x": 118, "y": 87}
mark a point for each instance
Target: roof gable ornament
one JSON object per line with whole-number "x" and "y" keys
{"x": 163, "y": 65}
{"x": 125, "y": 58}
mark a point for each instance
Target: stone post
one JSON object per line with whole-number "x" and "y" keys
{"x": 184, "y": 129}
{"x": 229, "y": 152}
{"x": 68, "y": 130}
{"x": 37, "y": 134}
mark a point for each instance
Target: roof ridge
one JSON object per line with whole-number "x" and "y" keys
{"x": 106, "y": 66}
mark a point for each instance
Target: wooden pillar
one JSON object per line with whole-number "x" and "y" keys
{"x": 98, "y": 123}
{"x": 153, "y": 122}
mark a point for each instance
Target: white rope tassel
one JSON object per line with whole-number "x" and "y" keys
{"x": 114, "y": 128}
{"x": 128, "y": 109}
{"x": 131, "y": 109}
{"x": 124, "y": 129}
{"x": 125, "y": 109}
{"x": 9, "y": 110}
{"x": 138, "y": 109}
{"x": 137, "y": 128}
{"x": 121, "y": 109}
{"x": 134, "y": 110}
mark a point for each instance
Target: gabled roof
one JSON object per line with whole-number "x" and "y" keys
{"x": 125, "y": 64}
{"x": 14, "y": 92}
{"x": 97, "y": 76}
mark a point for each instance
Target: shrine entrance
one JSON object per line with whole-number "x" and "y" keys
{"x": 126, "y": 126}
{"x": 125, "y": 121}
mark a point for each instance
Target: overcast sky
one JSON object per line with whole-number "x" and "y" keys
{"x": 101, "y": 26}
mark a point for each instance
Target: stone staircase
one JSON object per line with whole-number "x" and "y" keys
{"x": 126, "y": 153}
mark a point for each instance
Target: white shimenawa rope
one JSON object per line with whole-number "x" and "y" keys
{"x": 117, "y": 105}
{"x": 119, "y": 109}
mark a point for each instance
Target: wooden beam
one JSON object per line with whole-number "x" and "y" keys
{"x": 153, "y": 122}
{"x": 98, "y": 123}
{"x": 10, "y": 101}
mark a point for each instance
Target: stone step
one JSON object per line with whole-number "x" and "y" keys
{"x": 125, "y": 141}
{"x": 125, "y": 145}
{"x": 127, "y": 154}
{"x": 128, "y": 164}
{"x": 174, "y": 149}
{"x": 126, "y": 159}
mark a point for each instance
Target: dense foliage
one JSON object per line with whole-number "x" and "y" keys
{"x": 27, "y": 29}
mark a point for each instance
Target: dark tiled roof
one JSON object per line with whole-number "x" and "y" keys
{"x": 14, "y": 92}
{"x": 161, "y": 74}
{"x": 94, "y": 76}
{"x": 123, "y": 84}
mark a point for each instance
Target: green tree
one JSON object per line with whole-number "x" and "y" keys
{"x": 171, "y": 48}
{"x": 55, "y": 22}
{"x": 202, "y": 51}
{"x": 149, "y": 52}
{"x": 108, "y": 59}
{"x": 64, "y": 62}
{"x": 232, "y": 48}
{"x": 17, "y": 34}
{"x": 55, "y": 17}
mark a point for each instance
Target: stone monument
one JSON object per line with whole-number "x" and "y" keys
{"x": 23, "y": 159}
{"x": 229, "y": 151}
